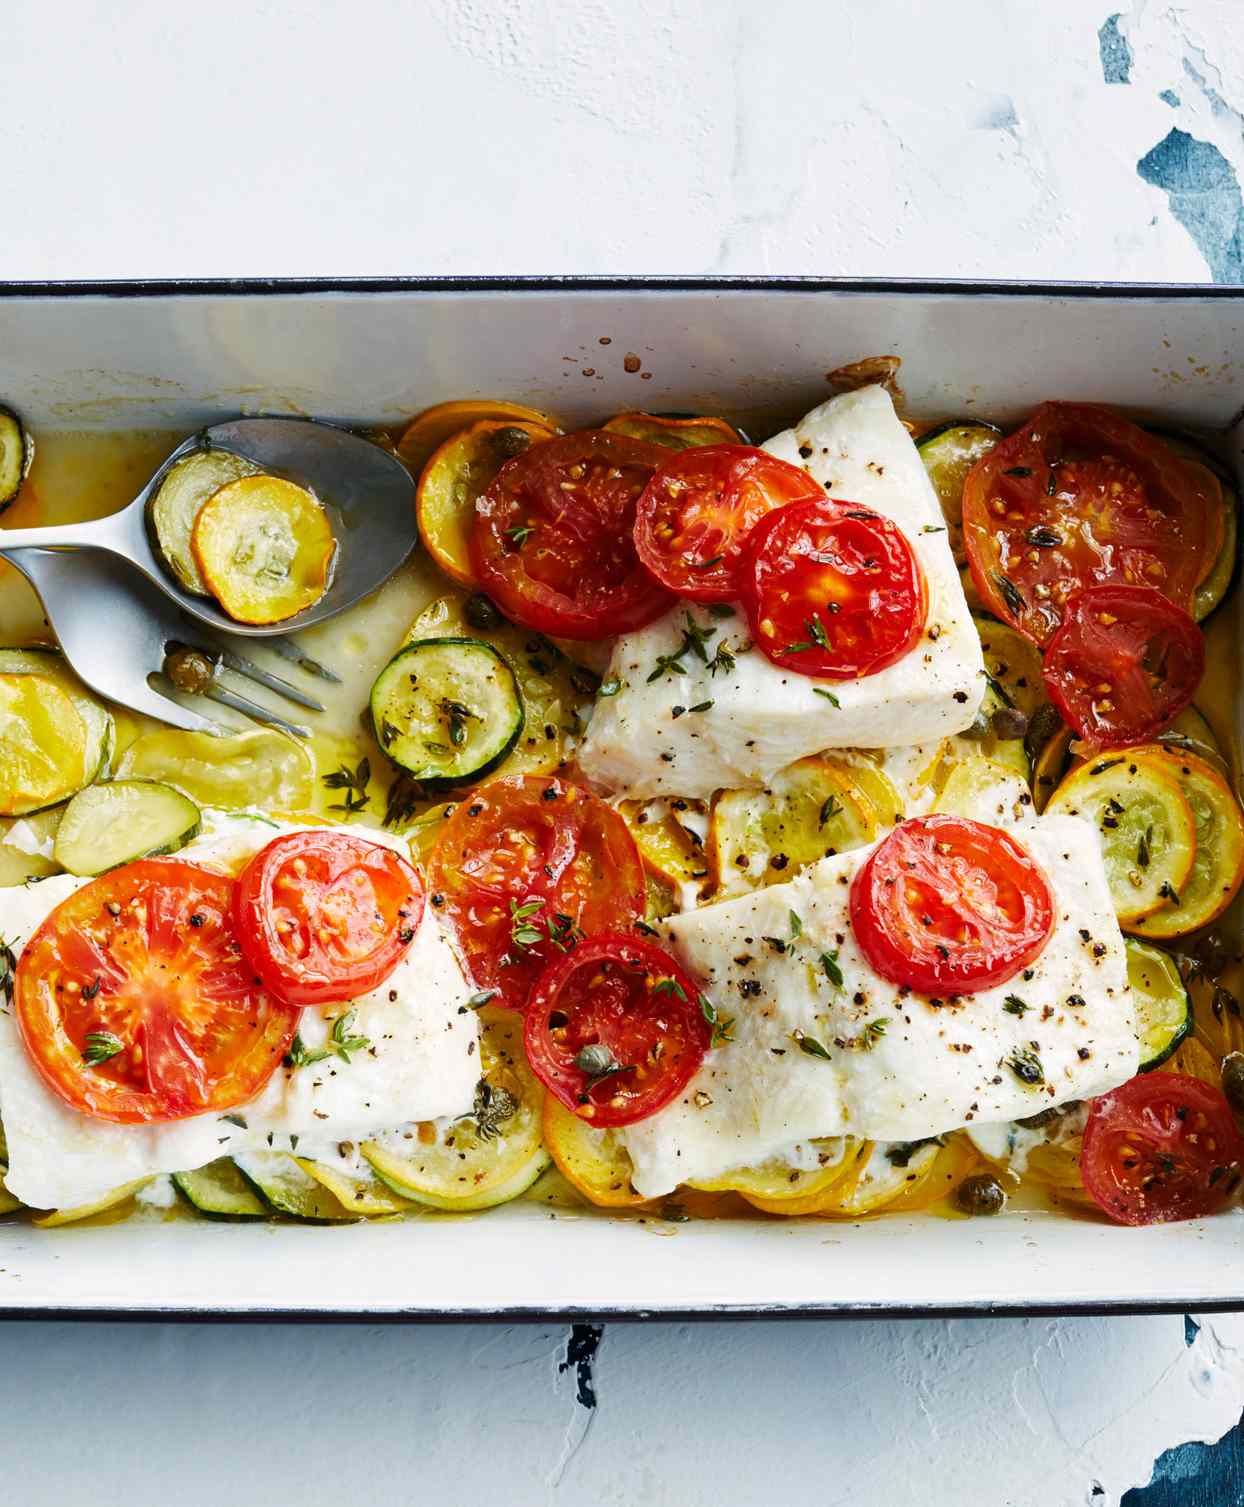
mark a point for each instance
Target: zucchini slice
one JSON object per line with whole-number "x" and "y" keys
{"x": 1013, "y": 664}
{"x": 1163, "y": 1009}
{"x": 17, "y": 451}
{"x": 457, "y": 473}
{"x": 1147, "y": 828}
{"x": 1218, "y": 866}
{"x": 809, "y": 810}
{"x": 428, "y": 430}
{"x": 260, "y": 768}
{"x": 219, "y": 1191}
{"x": 26, "y": 846}
{"x": 482, "y": 1159}
{"x": 175, "y": 505}
{"x": 288, "y": 1190}
{"x": 447, "y": 709}
{"x": 119, "y": 821}
{"x": 949, "y": 452}
{"x": 594, "y": 1162}
{"x": 264, "y": 547}
{"x": 672, "y": 433}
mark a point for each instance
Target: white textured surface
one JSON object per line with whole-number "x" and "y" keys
{"x": 470, "y": 136}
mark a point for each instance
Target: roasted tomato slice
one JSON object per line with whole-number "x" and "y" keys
{"x": 947, "y": 905}
{"x": 553, "y": 538}
{"x": 615, "y": 1030}
{"x": 1079, "y": 497}
{"x": 832, "y": 590}
{"x": 523, "y": 870}
{"x": 325, "y": 916}
{"x": 1162, "y": 1147}
{"x": 136, "y": 1004}
{"x": 1123, "y": 665}
{"x": 697, "y": 511}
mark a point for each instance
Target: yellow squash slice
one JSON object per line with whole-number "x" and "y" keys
{"x": 670, "y": 837}
{"x": 456, "y": 474}
{"x": 261, "y": 768}
{"x": 175, "y": 506}
{"x": 675, "y": 434}
{"x": 593, "y": 1162}
{"x": 780, "y": 1186}
{"x": 264, "y": 547}
{"x": 46, "y": 750}
{"x": 428, "y": 430}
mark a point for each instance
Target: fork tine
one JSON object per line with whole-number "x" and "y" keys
{"x": 153, "y": 703}
{"x": 287, "y": 648}
{"x": 240, "y": 665}
{"x": 255, "y": 712}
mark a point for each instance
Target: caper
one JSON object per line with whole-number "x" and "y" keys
{"x": 980, "y": 728}
{"x": 481, "y": 613}
{"x": 1233, "y": 1080}
{"x": 189, "y": 670}
{"x": 1044, "y": 724}
{"x": 981, "y": 1194}
{"x": 595, "y": 1060}
{"x": 1009, "y": 722}
{"x": 511, "y": 441}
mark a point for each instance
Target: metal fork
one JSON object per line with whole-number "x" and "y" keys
{"x": 125, "y": 639}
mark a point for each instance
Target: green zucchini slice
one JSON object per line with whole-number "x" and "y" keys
{"x": 447, "y": 709}
{"x": 288, "y": 1190}
{"x": 1163, "y": 1009}
{"x": 949, "y": 452}
{"x": 17, "y": 451}
{"x": 220, "y": 1192}
{"x": 117, "y": 822}
{"x": 175, "y": 505}
{"x": 1146, "y": 825}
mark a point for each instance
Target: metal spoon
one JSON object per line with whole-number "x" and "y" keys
{"x": 367, "y": 493}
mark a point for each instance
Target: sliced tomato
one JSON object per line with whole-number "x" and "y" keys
{"x": 1163, "y": 1147}
{"x": 136, "y": 1004}
{"x": 615, "y": 1030}
{"x": 324, "y": 916}
{"x": 1123, "y": 665}
{"x": 523, "y": 870}
{"x": 832, "y": 590}
{"x": 697, "y": 511}
{"x": 1079, "y": 497}
{"x": 947, "y": 905}
{"x": 553, "y": 537}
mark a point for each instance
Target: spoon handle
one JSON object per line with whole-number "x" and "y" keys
{"x": 114, "y": 533}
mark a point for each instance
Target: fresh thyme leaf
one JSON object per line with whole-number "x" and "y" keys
{"x": 667, "y": 664}
{"x": 694, "y": 639}
{"x": 1143, "y": 847}
{"x": 520, "y": 534}
{"x": 932, "y": 528}
{"x": 669, "y": 986}
{"x": 828, "y": 695}
{"x": 829, "y": 962}
{"x": 874, "y": 1031}
{"x": 479, "y": 999}
{"x": 830, "y": 807}
{"x": 8, "y": 972}
{"x": 100, "y": 1046}
{"x": 1013, "y": 1005}
{"x": 723, "y": 660}
{"x": 354, "y": 781}
{"x": 522, "y": 932}
{"x": 1169, "y": 892}
{"x": 89, "y": 991}
{"x": 811, "y": 1045}
{"x": 1043, "y": 537}
{"x": 300, "y": 1056}
{"x": 796, "y": 927}
{"x": 706, "y": 564}
{"x": 341, "y": 1039}
{"x": 238, "y": 1120}
{"x": 1017, "y": 471}
{"x": 1011, "y": 593}
{"x": 1026, "y": 1066}
{"x": 721, "y": 609}
{"x": 700, "y": 706}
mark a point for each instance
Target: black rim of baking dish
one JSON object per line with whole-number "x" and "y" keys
{"x": 251, "y": 287}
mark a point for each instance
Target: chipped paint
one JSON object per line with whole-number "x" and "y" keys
{"x": 1116, "y": 55}
{"x": 1204, "y": 195}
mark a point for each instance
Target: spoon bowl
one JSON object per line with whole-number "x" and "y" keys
{"x": 368, "y": 494}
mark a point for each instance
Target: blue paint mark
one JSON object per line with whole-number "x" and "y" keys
{"x": 1116, "y": 55}
{"x": 1205, "y": 198}
{"x": 1195, "y": 1475}
{"x": 1191, "y": 1329}
{"x": 1169, "y": 97}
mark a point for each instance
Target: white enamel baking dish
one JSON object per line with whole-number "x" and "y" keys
{"x": 180, "y": 355}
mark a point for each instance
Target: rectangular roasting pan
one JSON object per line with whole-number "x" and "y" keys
{"x": 142, "y": 355}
